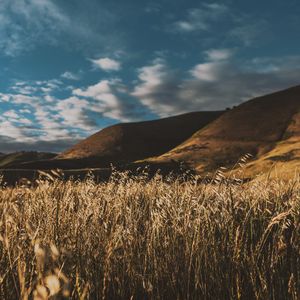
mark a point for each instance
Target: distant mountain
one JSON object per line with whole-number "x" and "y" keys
{"x": 18, "y": 158}
{"x": 267, "y": 127}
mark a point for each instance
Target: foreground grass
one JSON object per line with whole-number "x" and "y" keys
{"x": 139, "y": 239}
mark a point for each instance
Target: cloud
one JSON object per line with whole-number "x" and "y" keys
{"x": 159, "y": 88}
{"x": 12, "y": 129}
{"x": 25, "y": 90}
{"x": 199, "y": 19}
{"x": 27, "y": 24}
{"x": 39, "y": 86}
{"x": 41, "y": 118}
{"x": 72, "y": 111}
{"x": 10, "y": 114}
{"x": 70, "y": 76}
{"x": 210, "y": 71}
{"x": 219, "y": 54}
{"x": 212, "y": 85}
{"x": 13, "y": 116}
{"x": 107, "y": 103}
{"x": 107, "y": 64}
{"x": 23, "y": 23}
{"x": 217, "y": 21}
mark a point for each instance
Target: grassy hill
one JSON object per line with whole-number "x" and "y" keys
{"x": 133, "y": 141}
{"x": 266, "y": 127}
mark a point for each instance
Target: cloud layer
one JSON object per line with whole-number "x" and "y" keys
{"x": 215, "y": 84}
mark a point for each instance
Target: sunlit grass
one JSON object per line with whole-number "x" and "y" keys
{"x": 131, "y": 238}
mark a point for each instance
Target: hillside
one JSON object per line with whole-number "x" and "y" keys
{"x": 133, "y": 141}
{"x": 16, "y": 158}
{"x": 266, "y": 127}
{"x": 284, "y": 158}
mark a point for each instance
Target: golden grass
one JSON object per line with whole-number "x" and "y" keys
{"x": 132, "y": 238}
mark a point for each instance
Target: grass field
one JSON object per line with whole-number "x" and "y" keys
{"x": 131, "y": 238}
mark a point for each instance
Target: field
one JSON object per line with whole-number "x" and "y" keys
{"x": 131, "y": 238}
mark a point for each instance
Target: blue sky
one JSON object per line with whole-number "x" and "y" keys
{"x": 70, "y": 68}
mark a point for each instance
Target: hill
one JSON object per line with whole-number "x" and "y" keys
{"x": 16, "y": 158}
{"x": 267, "y": 127}
{"x": 128, "y": 142}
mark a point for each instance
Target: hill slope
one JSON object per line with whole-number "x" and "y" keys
{"x": 9, "y": 160}
{"x": 267, "y": 127}
{"x": 133, "y": 141}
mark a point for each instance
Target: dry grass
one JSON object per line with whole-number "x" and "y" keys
{"x": 131, "y": 238}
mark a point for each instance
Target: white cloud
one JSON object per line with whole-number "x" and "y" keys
{"x": 11, "y": 114}
{"x": 72, "y": 111}
{"x": 211, "y": 71}
{"x": 107, "y": 102}
{"x": 219, "y": 54}
{"x": 10, "y": 130}
{"x": 107, "y": 64}
{"x": 47, "y": 118}
{"x": 94, "y": 91}
{"x": 14, "y": 129}
{"x": 188, "y": 26}
{"x": 214, "y": 69}
{"x": 4, "y": 97}
{"x": 157, "y": 81}
{"x": 39, "y": 117}
{"x": 16, "y": 118}
{"x": 25, "y": 90}
{"x": 70, "y": 76}
{"x": 30, "y": 88}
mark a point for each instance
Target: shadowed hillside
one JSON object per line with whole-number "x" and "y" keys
{"x": 12, "y": 159}
{"x": 266, "y": 127}
{"x": 133, "y": 141}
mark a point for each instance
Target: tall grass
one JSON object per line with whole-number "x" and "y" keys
{"x": 131, "y": 238}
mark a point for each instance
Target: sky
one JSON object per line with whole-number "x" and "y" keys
{"x": 70, "y": 68}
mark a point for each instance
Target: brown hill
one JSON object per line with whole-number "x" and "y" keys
{"x": 123, "y": 143}
{"x": 267, "y": 127}
{"x": 133, "y": 141}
